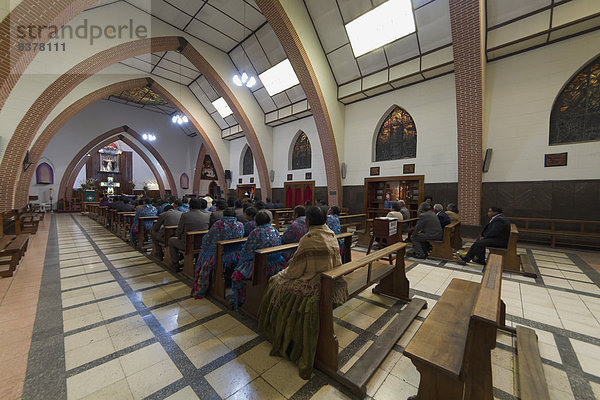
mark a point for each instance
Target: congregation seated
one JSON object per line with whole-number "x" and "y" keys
{"x": 403, "y": 209}
{"x": 146, "y": 209}
{"x": 216, "y": 215}
{"x": 269, "y": 205}
{"x": 442, "y": 216}
{"x": 260, "y": 205}
{"x": 264, "y": 235}
{"x": 104, "y": 202}
{"x": 494, "y": 234}
{"x": 169, "y": 217}
{"x": 240, "y": 211}
{"x": 228, "y": 227}
{"x": 333, "y": 219}
{"x": 195, "y": 220}
{"x": 122, "y": 205}
{"x": 452, "y": 212}
{"x": 396, "y": 212}
{"x": 251, "y": 224}
{"x": 181, "y": 206}
{"x": 295, "y": 230}
{"x": 292, "y": 295}
{"x": 428, "y": 228}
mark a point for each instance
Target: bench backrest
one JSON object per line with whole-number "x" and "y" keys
{"x": 193, "y": 241}
{"x": 512, "y": 239}
{"x": 449, "y": 231}
{"x": 487, "y": 303}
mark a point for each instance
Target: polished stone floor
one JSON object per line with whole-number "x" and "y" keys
{"x": 86, "y": 316}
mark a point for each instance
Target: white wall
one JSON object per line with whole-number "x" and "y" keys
{"x": 520, "y": 91}
{"x": 432, "y": 105}
{"x": 179, "y": 151}
{"x": 235, "y": 156}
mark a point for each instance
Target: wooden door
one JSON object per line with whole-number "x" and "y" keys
{"x": 297, "y": 193}
{"x": 245, "y": 191}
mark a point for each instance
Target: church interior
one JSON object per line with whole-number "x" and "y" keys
{"x": 300, "y": 199}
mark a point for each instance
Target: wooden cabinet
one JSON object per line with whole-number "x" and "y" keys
{"x": 297, "y": 193}
{"x": 380, "y": 192}
{"x": 245, "y": 191}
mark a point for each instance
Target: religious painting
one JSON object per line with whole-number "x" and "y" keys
{"x": 290, "y": 177}
{"x": 109, "y": 158}
{"x": 208, "y": 169}
{"x": 397, "y": 137}
{"x": 184, "y": 181}
{"x": 408, "y": 168}
{"x": 301, "y": 154}
{"x": 374, "y": 171}
{"x": 308, "y": 175}
{"x": 252, "y": 180}
{"x": 575, "y": 115}
{"x": 240, "y": 180}
{"x": 248, "y": 163}
{"x": 555, "y": 160}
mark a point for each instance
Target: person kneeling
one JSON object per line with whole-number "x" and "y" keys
{"x": 289, "y": 310}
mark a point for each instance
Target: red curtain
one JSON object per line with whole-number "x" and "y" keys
{"x": 289, "y": 197}
{"x": 298, "y": 196}
{"x": 308, "y": 193}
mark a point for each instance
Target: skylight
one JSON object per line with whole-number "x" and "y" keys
{"x": 222, "y": 107}
{"x": 279, "y": 77}
{"x": 382, "y": 25}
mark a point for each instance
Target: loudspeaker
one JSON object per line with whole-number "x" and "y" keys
{"x": 227, "y": 174}
{"x": 344, "y": 169}
{"x": 487, "y": 159}
{"x": 271, "y": 175}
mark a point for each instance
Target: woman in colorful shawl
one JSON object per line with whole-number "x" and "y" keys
{"x": 251, "y": 224}
{"x": 333, "y": 222}
{"x": 145, "y": 210}
{"x": 265, "y": 235}
{"x": 289, "y": 309}
{"x": 224, "y": 229}
{"x": 295, "y": 231}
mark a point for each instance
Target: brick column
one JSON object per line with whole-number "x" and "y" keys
{"x": 465, "y": 19}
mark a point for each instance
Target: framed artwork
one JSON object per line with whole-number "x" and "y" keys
{"x": 290, "y": 177}
{"x": 208, "y": 169}
{"x": 555, "y": 160}
{"x": 308, "y": 175}
{"x": 397, "y": 137}
{"x": 240, "y": 180}
{"x": 184, "y": 181}
{"x": 374, "y": 171}
{"x": 301, "y": 154}
{"x": 252, "y": 180}
{"x": 408, "y": 168}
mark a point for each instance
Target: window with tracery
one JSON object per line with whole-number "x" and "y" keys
{"x": 575, "y": 116}
{"x": 301, "y": 154}
{"x": 397, "y": 137}
{"x": 248, "y": 163}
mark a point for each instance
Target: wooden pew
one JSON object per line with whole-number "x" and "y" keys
{"x": 355, "y": 220}
{"x": 12, "y": 249}
{"x": 359, "y": 275}
{"x": 532, "y": 381}
{"x": 127, "y": 218}
{"x": 27, "y": 223}
{"x": 144, "y": 238}
{"x": 281, "y": 218}
{"x": 442, "y": 249}
{"x": 193, "y": 245}
{"x": 565, "y": 228}
{"x": 217, "y": 289}
{"x": 452, "y": 348}
{"x": 259, "y": 279}
{"x": 512, "y": 260}
{"x": 102, "y": 211}
{"x": 169, "y": 233}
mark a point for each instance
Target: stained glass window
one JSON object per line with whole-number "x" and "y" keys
{"x": 301, "y": 155}
{"x": 575, "y": 116}
{"x": 248, "y": 163}
{"x": 397, "y": 137}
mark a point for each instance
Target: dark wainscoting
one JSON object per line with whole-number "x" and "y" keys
{"x": 442, "y": 193}
{"x": 321, "y": 194}
{"x": 353, "y": 198}
{"x": 278, "y": 195}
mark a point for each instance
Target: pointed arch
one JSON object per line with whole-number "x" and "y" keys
{"x": 395, "y": 137}
{"x": 44, "y": 174}
{"x": 184, "y": 181}
{"x": 575, "y": 114}
{"x": 300, "y": 154}
{"x": 247, "y": 161}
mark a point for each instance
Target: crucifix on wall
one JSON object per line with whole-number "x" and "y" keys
{"x": 110, "y": 185}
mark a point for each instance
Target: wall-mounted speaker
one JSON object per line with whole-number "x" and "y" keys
{"x": 271, "y": 175}
{"x": 344, "y": 169}
{"x": 487, "y": 159}
{"x": 227, "y": 174}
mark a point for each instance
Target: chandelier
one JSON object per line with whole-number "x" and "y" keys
{"x": 244, "y": 80}
{"x": 179, "y": 118}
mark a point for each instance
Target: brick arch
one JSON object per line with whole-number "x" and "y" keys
{"x": 198, "y": 170}
{"x": 47, "y": 101}
{"x": 294, "y": 49}
{"x": 68, "y": 179}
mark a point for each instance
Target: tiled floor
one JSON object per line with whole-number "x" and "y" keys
{"x": 111, "y": 323}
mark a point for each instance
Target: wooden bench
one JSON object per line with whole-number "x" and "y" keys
{"x": 452, "y": 348}
{"x": 102, "y": 212}
{"x": 193, "y": 246}
{"x": 512, "y": 260}
{"x": 12, "y": 249}
{"x": 443, "y": 249}
{"x": 532, "y": 381}
{"x": 281, "y": 218}
{"x": 144, "y": 239}
{"x": 355, "y": 220}
{"x": 169, "y": 231}
{"x": 259, "y": 279}
{"x": 359, "y": 275}
{"x": 560, "y": 228}
{"x": 27, "y": 223}
{"x": 217, "y": 289}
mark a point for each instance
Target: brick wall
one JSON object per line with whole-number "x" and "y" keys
{"x": 468, "y": 72}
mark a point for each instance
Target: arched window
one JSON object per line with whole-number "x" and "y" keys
{"x": 397, "y": 137}
{"x": 248, "y": 162}
{"x": 301, "y": 153}
{"x": 44, "y": 174}
{"x": 184, "y": 181}
{"x": 575, "y": 116}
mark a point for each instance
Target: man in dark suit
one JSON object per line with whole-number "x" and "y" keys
{"x": 495, "y": 234}
{"x": 428, "y": 228}
{"x": 125, "y": 205}
{"x": 441, "y": 214}
{"x": 195, "y": 220}
{"x": 169, "y": 217}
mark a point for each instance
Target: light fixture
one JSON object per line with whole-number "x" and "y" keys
{"x": 244, "y": 80}
{"x": 279, "y": 77}
{"x": 179, "y": 118}
{"x": 382, "y": 25}
{"x": 222, "y": 107}
{"x": 149, "y": 137}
